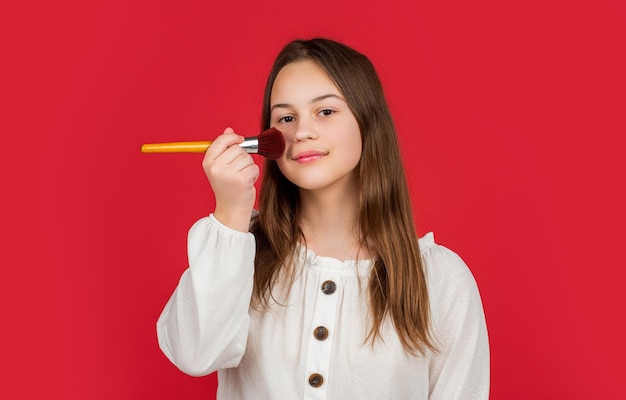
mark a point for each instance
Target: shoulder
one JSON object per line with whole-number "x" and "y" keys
{"x": 438, "y": 258}
{"x": 453, "y": 294}
{"x": 446, "y": 272}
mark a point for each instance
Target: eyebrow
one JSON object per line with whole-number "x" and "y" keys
{"x": 315, "y": 100}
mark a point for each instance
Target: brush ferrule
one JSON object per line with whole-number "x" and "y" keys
{"x": 250, "y": 145}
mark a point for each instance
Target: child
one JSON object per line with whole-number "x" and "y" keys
{"x": 326, "y": 292}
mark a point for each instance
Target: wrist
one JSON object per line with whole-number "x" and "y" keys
{"x": 238, "y": 220}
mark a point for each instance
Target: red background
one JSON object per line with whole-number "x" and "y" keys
{"x": 511, "y": 116}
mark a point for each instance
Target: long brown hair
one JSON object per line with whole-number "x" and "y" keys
{"x": 397, "y": 286}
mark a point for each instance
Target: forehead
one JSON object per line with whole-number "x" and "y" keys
{"x": 302, "y": 80}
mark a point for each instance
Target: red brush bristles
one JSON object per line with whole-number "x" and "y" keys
{"x": 271, "y": 143}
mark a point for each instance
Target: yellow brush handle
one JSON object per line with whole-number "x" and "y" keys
{"x": 176, "y": 147}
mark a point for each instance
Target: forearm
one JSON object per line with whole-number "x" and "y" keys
{"x": 204, "y": 325}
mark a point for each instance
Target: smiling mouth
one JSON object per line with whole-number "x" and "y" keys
{"x": 306, "y": 157}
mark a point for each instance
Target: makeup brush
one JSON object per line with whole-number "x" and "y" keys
{"x": 269, "y": 143}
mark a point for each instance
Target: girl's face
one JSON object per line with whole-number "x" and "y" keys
{"x": 323, "y": 140}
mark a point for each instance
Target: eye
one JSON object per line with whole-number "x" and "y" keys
{"x": 286, "y": 119}
{"x": 327, "y": 112}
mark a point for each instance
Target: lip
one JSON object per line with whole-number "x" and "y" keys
{"x": 308, "y": 156}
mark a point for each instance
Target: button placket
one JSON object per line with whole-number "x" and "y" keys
{"x": 320, "y": 339}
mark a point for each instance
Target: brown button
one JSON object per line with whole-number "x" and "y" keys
{"x": 320, "y": 333}
{"x": 316, "y": 380}
{"x": 328, "y": 287}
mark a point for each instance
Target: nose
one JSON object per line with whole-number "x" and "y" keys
{"x": 305, "y": 130}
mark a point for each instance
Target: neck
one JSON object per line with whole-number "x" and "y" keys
{"x": 330, "y": 223}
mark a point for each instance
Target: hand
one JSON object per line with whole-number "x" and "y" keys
{"x": 232, "y": 174}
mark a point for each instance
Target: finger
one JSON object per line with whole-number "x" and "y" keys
{"x": 232, "y": 154}
{"x": 240, "y": 161}
{"x": 223, "y": 142}
{"x": 251, "y": 173}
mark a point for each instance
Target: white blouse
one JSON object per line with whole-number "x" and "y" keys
{"x": 312, "y": 345}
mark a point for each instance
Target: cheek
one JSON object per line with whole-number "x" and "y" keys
{"x": 352, "y": 146}
{"x": 356, "y": 155}
{"x": 281, "y": 163}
